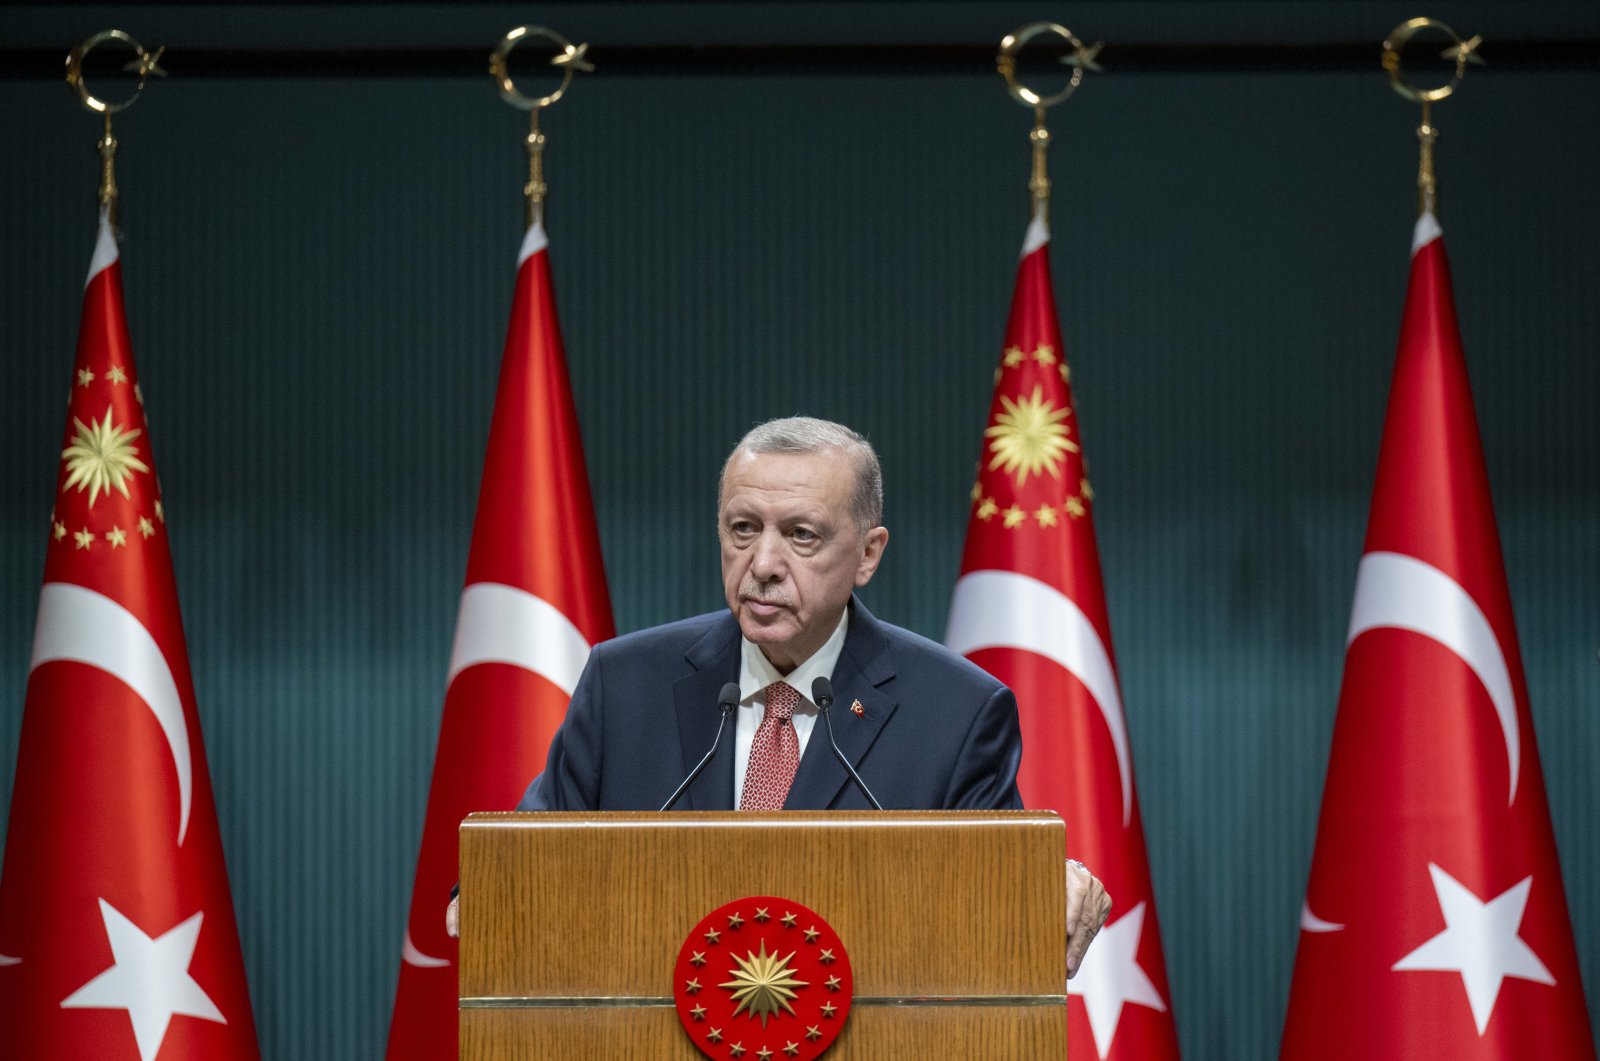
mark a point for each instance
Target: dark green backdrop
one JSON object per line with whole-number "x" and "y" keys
{"x": 318, "y": 273}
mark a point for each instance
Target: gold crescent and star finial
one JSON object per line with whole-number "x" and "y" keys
{"x": 569, "y": 59}
{"x": 1462, "y": 53}
{"x": 146, "y": 64}
{"x": 1083, "y": 58}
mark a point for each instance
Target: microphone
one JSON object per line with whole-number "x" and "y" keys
{"x": 822, "y": 696}
{"x": 727, "y": 700}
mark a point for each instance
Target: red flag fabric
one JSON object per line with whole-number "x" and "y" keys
{"x": 535, "y": 602}
{"x": 1435, "y": 923}
{"x": 117, "y": 937}
{"x": 1029, "y": 608}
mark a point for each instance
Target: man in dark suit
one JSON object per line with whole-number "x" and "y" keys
{"x": 799, "y": 520}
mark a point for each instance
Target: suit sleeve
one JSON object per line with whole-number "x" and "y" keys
{"x": 985, "y": 774}
{"x": 571, "y": 777}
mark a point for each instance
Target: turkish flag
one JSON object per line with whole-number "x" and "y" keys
{"x": 1435, "y": 925}
{"x": 1029, "y": 608}
{"x": 117, "y": 936}
{"x": 534, "y": 603}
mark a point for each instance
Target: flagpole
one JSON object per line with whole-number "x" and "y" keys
{"x": 145, "y": 63}
{"x": 568, "y": 59}
{"x": 1081, "y": 59}
{"x": 1461, "y": 52}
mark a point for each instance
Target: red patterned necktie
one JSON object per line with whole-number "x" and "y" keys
{"x": 774, "y": 754}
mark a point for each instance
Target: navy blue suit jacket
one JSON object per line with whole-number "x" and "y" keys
{"x": 935, "y": 732}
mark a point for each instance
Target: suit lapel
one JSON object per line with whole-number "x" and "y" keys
{"x": 862, "y": 670}
{"x": 715, "y": 658}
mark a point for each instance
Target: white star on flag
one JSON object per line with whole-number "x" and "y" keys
{"x": 149, "y": 978}
{"x": 1110, "y": 976}
{"x": 1480, "y": 942}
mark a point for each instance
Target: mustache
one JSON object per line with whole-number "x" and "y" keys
{"x": 754, "y": 592}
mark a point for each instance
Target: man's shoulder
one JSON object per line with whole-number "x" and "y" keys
{"x": 676, "y": 638}
{"x": 917, "y": 655}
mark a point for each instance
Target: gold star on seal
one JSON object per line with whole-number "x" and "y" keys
{"x": 813, "y": 1032}
{"x": 1046, "y": 516}
{"x": 1074, "y": 507}
{"x": 116, "y": 375}
{"x": 762, "y": 915}
{"x": 792, "y": 1049}
{"x": 763, "y": 984}
{"x": 1066, "y": 373}
{"x": 1045, "y": 355}
{"x": 58, "y": 531}
{"x": 789, "y": 920}
{"x": 698, "y": 1013}
{"x": 734, "y": 920}
{"x": 812, "y": 934}
{"x": 764, "y": 1054}
{"x": 714, "y": 1035}
{"x": 712, "y": 935}
{"x": 829, "y": 1009}
{"x": 83, "y": 538}
{"x": 826, "y": 957}
{"x": 1014, "y": 516}
{"x": 102, "y": 457}
{"x": 833, "y": 983}
{"x": 161, "y": 513}
{"x": 736, "y": 1050}
{"x": 85, "y": 377}
{"x": 146, "y": 528}
{"x": 1028, "y": 436}
{"x": 693, "y": 986}
{"x": 117, "y": 537}
{"x": 1013, "y": 356}
{"x": 1085, "y": 489}
{"x": 987, "y": 508}
{"x": 697, "y": 958}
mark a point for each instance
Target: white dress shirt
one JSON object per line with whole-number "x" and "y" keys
{"x": 756, "y": 672}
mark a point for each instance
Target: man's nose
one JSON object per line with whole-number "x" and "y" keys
{"x": 767, "y": 561}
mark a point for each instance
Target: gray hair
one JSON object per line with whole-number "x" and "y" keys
{"x": 807, "y": 434}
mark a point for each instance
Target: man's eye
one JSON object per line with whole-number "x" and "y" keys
{"x": 743, "y": 528}
{"x": 804, "y": 534}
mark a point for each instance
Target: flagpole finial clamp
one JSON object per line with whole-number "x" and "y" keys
{"x": 1462, "y": 53}
{"x": 569, "y": 59}
{"x": 145, "y": 64}
{"x": 1080, "y": 57}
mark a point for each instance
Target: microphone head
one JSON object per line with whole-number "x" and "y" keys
{"x": 822, "y": 692}
{"x": 728, "y": 699}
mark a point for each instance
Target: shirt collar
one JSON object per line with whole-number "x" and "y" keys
{"x": 756, "y": 671}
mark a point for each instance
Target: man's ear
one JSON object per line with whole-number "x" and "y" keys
{"x": 871, "y": 555}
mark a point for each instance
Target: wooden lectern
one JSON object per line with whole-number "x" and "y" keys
{"x": 954, "y": 923}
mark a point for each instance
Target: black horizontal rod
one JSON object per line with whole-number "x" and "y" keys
{"x": 753, "y": 59}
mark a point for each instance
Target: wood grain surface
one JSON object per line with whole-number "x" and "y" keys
{"x": 938, "y": 903}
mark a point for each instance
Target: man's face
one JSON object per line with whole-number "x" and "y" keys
{"x": 791, "y": 551}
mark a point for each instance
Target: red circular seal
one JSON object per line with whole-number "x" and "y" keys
{"x": 762, "y": 979}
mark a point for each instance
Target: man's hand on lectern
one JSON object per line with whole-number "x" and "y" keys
{"x": 452, "y": 918}
{"x": 1087, "y": 907}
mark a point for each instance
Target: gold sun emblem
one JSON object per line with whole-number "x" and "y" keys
{"x": 102, "y": 457}
{"x": 763, "y": 984}
{"x": 1029, "y": 437}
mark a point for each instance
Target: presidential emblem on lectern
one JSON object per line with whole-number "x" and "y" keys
{"x": 762, "y": 979}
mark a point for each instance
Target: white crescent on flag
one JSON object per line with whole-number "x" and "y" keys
{"x": 412, "y": 956}
{"x": 503, "y": 624}
{"x": 83, "y": 626}
{"x": 1401, "y": 592}
{"x": 1003, "y": 609}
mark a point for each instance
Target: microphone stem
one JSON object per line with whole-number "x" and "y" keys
{"x": 701, "y": 765}
{"x": 827, "y": 719}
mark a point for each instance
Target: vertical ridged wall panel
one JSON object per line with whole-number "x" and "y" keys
{"x": 318, "y": 276}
